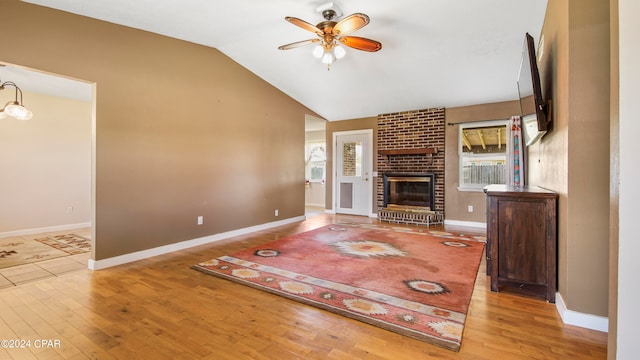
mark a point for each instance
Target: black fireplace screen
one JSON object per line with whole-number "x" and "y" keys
{"x": 409, "y": 191}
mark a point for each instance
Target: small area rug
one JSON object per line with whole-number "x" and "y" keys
{"x": 19, "y": 251}
{"x": 417, "y": 283}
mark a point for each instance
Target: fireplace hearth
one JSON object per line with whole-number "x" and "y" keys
{"x": 409, "y": 199}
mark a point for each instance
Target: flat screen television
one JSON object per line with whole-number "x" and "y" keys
{"x": 532, "y": 105}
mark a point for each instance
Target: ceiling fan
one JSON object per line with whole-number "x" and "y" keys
{"x": 331, "y": 34}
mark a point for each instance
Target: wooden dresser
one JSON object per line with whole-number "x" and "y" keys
{"x": 522, "y": 239}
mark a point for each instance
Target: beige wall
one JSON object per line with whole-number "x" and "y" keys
{"x": 181, "y": 130}
{"x": 45, "y": 164}
{"x": 349, "y": 125}
{"x": 456, "y": 201}
{"x": 315, "y": 194}
{"x": 573, "y": 158}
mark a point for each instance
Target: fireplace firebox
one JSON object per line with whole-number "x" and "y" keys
{"x": 415, "y": 191}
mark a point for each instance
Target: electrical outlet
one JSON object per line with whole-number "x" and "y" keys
{"x": 69, "y": 209}
{"x": 200, "y": 220}
{"x": 275, "y": 212}
{"x": 470, "y": 208}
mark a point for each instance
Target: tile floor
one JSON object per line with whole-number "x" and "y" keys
{"x": 20, "y": 274}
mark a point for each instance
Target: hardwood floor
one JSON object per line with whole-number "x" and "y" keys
{"x": 159, "y": 308}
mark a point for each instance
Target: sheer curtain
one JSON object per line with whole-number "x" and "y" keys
{"x": 515, "y": 155}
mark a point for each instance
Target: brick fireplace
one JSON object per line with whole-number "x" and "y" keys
{"x": 411, "y": 142}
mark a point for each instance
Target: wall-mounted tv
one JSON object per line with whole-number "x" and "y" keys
{"x": 532, "y": 105}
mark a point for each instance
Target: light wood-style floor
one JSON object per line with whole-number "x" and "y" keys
{"x": 159, "y": 308}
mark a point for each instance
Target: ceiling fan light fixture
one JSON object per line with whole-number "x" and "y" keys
{"x": 339, "y": 52}
{"x": 331, "y": 34}
{"x": 318, "y": 51}
{"x": 328, "y": 58}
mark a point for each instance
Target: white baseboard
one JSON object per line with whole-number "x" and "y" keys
{"x": 144, "y": 254}
{"x": 44, "y": 229}
{"x": 333, "y": 212}
{"x": 466, "y": 223}
{"x": 315, "y": 205}
{"x": 588, "y": 321}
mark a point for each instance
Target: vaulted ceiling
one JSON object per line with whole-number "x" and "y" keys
{"x": 435, "y": 53}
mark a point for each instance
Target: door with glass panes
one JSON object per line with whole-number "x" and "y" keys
{"x": 353, "y": 185}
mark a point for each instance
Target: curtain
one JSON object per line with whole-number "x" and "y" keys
{"x": 515, "y": 156}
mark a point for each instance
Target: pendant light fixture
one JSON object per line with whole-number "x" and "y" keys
{"x": 15, "y": 108}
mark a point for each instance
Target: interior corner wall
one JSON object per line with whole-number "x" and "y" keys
{"x": 458, "y": 201}
{"x": 45, "y": 164}
{"x": 574, "y": 70}
{"x": 181, "y": 130}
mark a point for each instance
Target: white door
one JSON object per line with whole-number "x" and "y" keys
{"x": 353, "y": 182}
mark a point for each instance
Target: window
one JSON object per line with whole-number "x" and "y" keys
{"x": 483, "y": 154}
{"x": 352, "y": 158}
{"x": 315, "y": 160}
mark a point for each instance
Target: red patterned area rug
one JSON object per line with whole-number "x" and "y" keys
{"x": 417, "y": 283}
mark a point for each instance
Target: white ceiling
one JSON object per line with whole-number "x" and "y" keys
{"x": 435, "y": 53}
{"x": 43, "y": 83}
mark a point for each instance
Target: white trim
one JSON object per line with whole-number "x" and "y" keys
{"x": 588, "y": 321}
{"x": 315, "y": 205}
{"x": 144, "y": 254}
{"x": 466, "y": 223}
{"x": 45, "y": 229}
{"x": 469, "y": 188}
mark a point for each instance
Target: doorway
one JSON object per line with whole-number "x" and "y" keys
{"x": 315, "y": 162}
{"x": 46, "y": 213}
{"x": 353, "y": 183}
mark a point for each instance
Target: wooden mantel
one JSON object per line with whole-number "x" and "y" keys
{"x": 420, "y": 151}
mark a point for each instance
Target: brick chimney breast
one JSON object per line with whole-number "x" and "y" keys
{"x": 416, "y": 129}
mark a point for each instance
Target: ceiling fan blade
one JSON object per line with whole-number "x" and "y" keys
{"x": 298, "y": 44}
{"x": 361, "y": 43}
{"x": 350, "y": 24}
{"x": 303, "y": 24}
